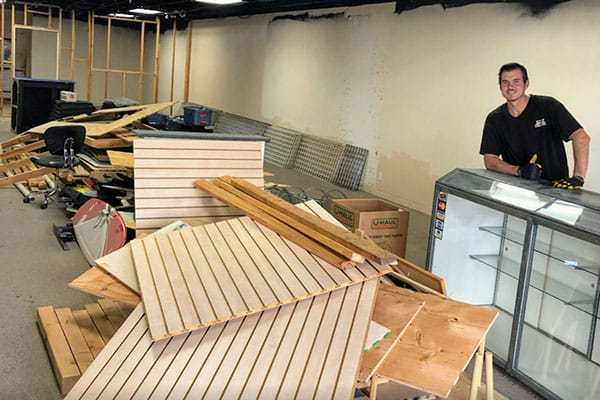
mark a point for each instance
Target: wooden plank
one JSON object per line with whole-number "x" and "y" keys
{"x": 106, "y": 143}
{"x": 18, "y": 163}
{"x": 438, "y": 345}
{"x": 120, "y": 158}
{"x": 98, "y": 129}
{"x": 350, "y": 240}
{"x": 23, "y": 137}
{"x": 101, "y": 321}
{"x": 113, "y": 312}
{"x": 22, "y": 150}
{"x": 89, "y": 331}
{"x": 98, "y": 282}
{"x": 341, "y": 261}
{"x": 22, "y": 177}
{"x": 77, "y": 344}
{"x": 293, "y": 222}
{"x": 395, "y": 311}
{"x": 420, "y": 275}
{"x": 64, "y": 365}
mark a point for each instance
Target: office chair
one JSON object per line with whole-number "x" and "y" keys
{"x": 63, "y": 142}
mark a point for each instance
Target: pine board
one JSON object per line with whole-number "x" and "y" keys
{"x": 259, "y": 355}
{"x": 165, "y": 171}
{"x": 438, "y": 344}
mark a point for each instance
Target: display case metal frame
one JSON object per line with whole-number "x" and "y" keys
{"x": 476, "y": 185}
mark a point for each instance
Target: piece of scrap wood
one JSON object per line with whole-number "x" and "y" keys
{"x": 350, "y": 240}
{"x": 395, "y": 311}
{"x": 100, "y": 283}
{"x": 98, "y": 129}
{"x": 89, "y": 331}
{"x": 63, "y": 363}
{"x": 23, "y": 137}
{"x": 420, "y": 275}
{"x": 101, "y": 321}
{"x": 24, "y": 176}
{"x": 120, "y": 158}
{"x": 22, "y": 149}
{"x": 332, "y": 257}
{"x": 438, "y": 344}
{"x": 77, "y": 344}
{"x": 19, "y": 163}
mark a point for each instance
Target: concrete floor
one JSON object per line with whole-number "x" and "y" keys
{"x": 35, "y": 273}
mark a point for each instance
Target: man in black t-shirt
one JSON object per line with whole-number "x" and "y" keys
{"x": 525, "y": 136}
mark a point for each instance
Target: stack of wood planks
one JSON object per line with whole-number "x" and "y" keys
{"x": 74, "y": 338}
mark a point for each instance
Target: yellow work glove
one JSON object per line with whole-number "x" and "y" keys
{"x": 572, "y": 183}
{"x": 531, "y": 170}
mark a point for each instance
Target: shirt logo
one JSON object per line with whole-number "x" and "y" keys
{"x": 539, "y": 123}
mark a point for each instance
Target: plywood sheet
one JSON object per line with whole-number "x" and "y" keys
{"x": 212, "y": 273}
{"x": 165, "y": 171}
{"x": 438, "y": 344}
{"x": 395, "y": 311}
{"x": 95, "y": 129}
{"x": 306, "y": 349}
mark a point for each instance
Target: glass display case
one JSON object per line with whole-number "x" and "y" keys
{"x": 532, "y": 252}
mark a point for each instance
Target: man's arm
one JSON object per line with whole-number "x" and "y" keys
{"x": 495, "y": 163}
{"x": 581, "y": 152}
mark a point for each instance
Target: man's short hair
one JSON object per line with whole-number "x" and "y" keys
{"x": 511, "y": 67}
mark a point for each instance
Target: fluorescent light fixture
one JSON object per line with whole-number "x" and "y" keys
{"x": 222, "y": 2}
{"x": 121, "y": 15}
{"x": 144, "y": 11}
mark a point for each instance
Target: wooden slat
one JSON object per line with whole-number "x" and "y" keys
{"x": 19, "y": 163}
{"x": 337, "y": 259}
{"x": 23, "y": 137}
{"x": 120, "y": 158}
{"x": 100, "y": 283}
{"x": 22, "y": 150}
{"x": 350, "y": 240}
{"x": 89, "y": 331}
{"x": 22, "y": 177}
{"x": 63, "y": 362}
{"x": 237, "y": 358}
{"x": 395, "y": 311}
{"x": 98, "y": 129}
{"x": 77, "y": 344}
{"x": 113, "y": 312}
{"x": 438, "y": 344}
{"x": 420, "y": 275}
{"x": 101, "y": 321}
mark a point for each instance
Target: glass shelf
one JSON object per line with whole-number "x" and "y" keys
{"x": 564, "y": 256}
{"x": 541, "y": 282}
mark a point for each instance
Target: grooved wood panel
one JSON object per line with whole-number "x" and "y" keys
{"x": 165, "y": 171}
{"x": 438, "y": 344}
{"x": 306, "y": 349}
{"x": 207, "y": 274}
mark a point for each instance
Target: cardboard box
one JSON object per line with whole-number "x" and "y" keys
{"x": 383, "y": 222}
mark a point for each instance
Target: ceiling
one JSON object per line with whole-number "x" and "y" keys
{"x": 186, "y": 10}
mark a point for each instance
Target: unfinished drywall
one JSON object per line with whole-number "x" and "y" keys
{"x": 414, "y": 88}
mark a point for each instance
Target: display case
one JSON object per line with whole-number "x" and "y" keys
{"x": 532, "y": 252}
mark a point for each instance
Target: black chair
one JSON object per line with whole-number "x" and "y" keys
{"x": 63, "y": 142}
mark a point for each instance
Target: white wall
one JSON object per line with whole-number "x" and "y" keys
{"x": 414, "y": 88}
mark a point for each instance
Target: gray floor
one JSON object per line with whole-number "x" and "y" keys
{"x": 35, "y": 273}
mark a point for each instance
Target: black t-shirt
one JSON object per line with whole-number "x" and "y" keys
{"x": 540, "y": 129}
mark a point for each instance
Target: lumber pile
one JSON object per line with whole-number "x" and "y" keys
{"x": 105, "y": 129}
{"x": 74, "y": 338}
